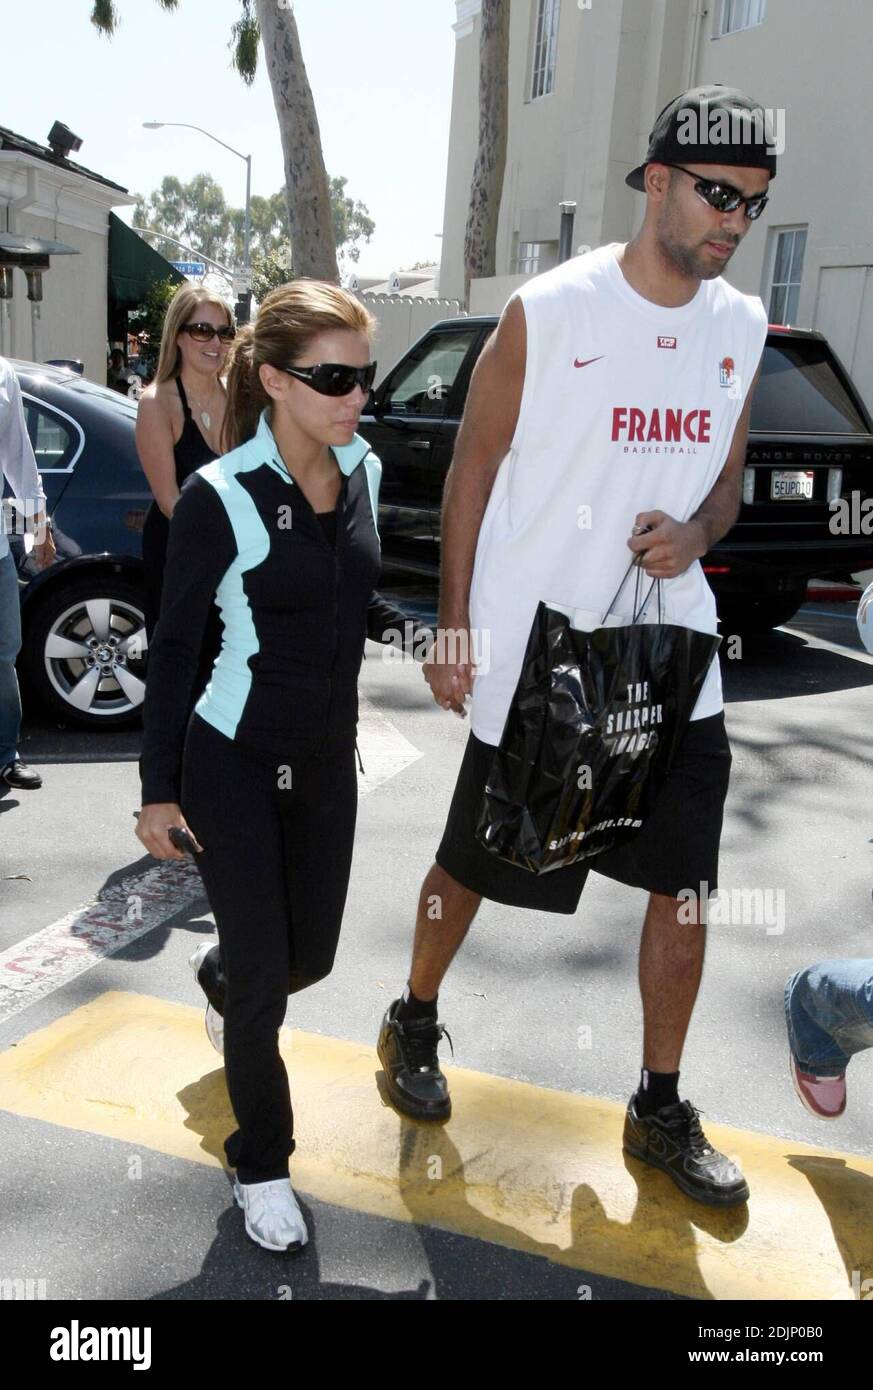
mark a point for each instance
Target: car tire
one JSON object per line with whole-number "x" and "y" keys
{"x": 759, "y": 613}
{"x": 63, "y": 617}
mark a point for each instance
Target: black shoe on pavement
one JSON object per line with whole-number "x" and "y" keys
{"x": 671, "y": 1139}
{"x": 408, "y": 1053}
{"x": 17, "y": 774}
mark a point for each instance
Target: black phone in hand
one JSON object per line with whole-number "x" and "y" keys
{"x": 181, "y": 839}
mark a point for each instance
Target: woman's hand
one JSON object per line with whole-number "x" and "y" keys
{"x": 450, "y": 680}
{"x": 154, "y": 821}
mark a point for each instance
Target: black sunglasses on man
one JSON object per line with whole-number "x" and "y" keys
{"x": 723, "y": 196}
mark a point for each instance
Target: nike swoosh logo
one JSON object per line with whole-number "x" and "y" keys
{"x": 657, "y": 1143}
{"x": 588, "y": 360}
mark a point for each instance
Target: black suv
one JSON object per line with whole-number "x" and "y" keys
{"x": 810, "y": 443}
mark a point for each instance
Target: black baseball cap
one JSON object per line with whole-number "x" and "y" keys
{"x": 710, "y": 125}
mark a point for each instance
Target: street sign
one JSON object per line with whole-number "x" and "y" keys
{"x": 189, "y": 267}
{"x": 242, "y": 281}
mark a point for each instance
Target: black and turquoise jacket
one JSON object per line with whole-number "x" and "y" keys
{"x": 295, "y": 611}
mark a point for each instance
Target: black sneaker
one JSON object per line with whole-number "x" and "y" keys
{"x": 671, "y": 1139}
{"x": 18, "y": 774}
{"x": 408, "y": 1053}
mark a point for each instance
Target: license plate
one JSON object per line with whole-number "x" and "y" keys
{"x": 791, "y": 486}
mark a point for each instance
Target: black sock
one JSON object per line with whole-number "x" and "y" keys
{"x": 411, "y": 1007}
{"x": 656, "y": 1089}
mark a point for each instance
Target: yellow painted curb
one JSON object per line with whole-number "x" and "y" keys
{"x": 526, "y": 1167}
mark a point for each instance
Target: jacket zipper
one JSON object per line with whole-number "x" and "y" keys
{"x": 340, "y": 510}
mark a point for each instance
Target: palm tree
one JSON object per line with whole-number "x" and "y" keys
{"x": 307, "y": 188}
{"x": 480, "y": 239}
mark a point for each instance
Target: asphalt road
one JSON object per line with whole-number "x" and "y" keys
{"x": 523, "y": 991}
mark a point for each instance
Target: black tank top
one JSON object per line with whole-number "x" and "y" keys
{"x": 191, "y": 451}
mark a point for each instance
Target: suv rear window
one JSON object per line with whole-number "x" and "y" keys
{"x": 800, "y": 393}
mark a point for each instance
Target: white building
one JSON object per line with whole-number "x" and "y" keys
{"x": 46, "y": 196}
{"x": 587, "y": 79}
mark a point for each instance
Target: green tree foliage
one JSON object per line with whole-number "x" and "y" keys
{"x": 351, "y": 221}
{"x": 268, "y": 272}
{"x": 197, "y": 214}
{"x": 312, "y": 215}
{"x": 194, "y": 213}
{"x": 104, "y": 15}
{"x": 148, "y": 322}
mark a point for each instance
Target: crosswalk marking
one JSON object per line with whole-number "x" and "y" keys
{"x": 123, "y": 911}
{"x": 56, "y": 954}
{"x": 384, "y": 749}
{"x": 523, "y": 1166}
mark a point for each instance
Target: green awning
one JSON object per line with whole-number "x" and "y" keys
{"x": 134, "y": 266}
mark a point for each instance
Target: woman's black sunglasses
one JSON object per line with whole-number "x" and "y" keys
{"x": 334, "y": 378}
{"x": 204, "y": 332}
{"x": 723, "y": 197}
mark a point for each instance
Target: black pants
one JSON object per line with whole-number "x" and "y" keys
{"x": 275, "y": 865}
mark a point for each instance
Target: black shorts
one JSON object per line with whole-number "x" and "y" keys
{"x": 676, "y": 849}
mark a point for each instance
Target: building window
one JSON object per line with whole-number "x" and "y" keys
{"x": 533, "y": 257}
{"x": 545, "y": 48}
{"x": 739, "y": 14}
{"x": 527, "y": 262}
{"x": 790, "y": 245}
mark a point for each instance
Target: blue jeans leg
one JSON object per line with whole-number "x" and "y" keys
{"x": 10, "y": 645}
{"x": 829, "y": 1014}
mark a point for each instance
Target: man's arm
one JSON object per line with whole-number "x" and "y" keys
{"x": 721, "y": 507}
{"x": 486, "y": 432}
{"x": 671, "y": 546}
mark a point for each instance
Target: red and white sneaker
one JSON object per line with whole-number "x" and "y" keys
{"x": 823, "y": 1096}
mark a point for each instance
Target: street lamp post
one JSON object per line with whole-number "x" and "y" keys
{"x": 245, "y": 298}
{"x": 225, "y": 270}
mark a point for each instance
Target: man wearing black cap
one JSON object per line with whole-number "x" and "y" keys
{"x": 619, "y": 382}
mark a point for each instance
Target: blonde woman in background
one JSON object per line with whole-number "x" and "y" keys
{"x": 179, "y": 425}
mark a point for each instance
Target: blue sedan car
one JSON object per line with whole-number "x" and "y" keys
{"x": 83, "y": 650}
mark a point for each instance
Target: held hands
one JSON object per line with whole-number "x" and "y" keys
{"x": 669, "y": 547}
{"x": 450, "y": 681}
{"x": 154, "y": 821}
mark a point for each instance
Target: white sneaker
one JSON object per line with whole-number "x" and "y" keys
{"x": 273, "y": 1218}
{"x": 215, "y": 1029}
{"x": 214, "y": 1020}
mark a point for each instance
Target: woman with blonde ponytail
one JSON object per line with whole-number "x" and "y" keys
{"x": 245, "y": 390}
{"x": 279, "y": 534}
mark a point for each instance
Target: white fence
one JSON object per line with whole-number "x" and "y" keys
{"x": 402, "y": 320}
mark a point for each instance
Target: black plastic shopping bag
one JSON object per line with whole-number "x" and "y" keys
{"x": 590, "y": 736}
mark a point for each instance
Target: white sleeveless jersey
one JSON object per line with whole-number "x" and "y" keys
{"x": 626, "y": 407}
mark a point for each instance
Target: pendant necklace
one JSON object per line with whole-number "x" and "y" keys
{"x": 204, "y": 414}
